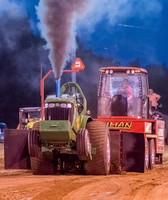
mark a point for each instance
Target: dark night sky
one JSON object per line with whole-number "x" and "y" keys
{"x": 121, "y": 32}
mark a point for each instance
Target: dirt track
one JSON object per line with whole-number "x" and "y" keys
{"x": 22, "y": 185}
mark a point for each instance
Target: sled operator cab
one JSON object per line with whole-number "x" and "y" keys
{"x": 28, "y": 114}
{"x": 123, "y": 92}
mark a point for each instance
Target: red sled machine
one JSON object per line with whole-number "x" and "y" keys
{"x": 136, "y": 132}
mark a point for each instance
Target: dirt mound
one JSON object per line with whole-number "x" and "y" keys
{"x": 21, "y": 184}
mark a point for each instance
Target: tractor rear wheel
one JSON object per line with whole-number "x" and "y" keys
{"x": 100, "y": 144}
{"x": 151, "y": 154}
{"x": 146, "y": 159}
{"x": 39, "y": 166}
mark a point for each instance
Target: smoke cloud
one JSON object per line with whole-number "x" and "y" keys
{"x": 21, "y": 55}
{"x": 57, "y": 25}
{"x": 103, "y": 19}
{"x": 12, "y": 8}
{"x": 117, "y": 11}
{"x": 59, "y": 22}
{"x": 11, "y": 16}
{"x": 24, "y": 50}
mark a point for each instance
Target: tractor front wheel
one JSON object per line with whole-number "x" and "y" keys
{"x": 39, "y": 166}
{"x": 83, "y": 144}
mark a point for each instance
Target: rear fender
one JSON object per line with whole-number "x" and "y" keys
{"x": 84, "y": 121}
{"x": 16, "y": 155}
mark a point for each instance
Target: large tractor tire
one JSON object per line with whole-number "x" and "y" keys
{"x": 151, "y": 154}
{"x": 100, "y": 144}
{"x": 146, "y": 159}
{"x": 39, "y": 166}
{"x": 34, "y": 144}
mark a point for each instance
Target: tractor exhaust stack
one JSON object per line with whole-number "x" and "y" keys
{"x": 58, "y": 83}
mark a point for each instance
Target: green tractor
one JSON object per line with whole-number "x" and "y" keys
{"x": 66, "y": 139}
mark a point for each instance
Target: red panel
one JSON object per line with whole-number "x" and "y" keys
{"x": 131, "y": 124}
{"x": 16, "y": 154}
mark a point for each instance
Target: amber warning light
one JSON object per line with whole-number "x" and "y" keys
{"x": 78, "y": 64}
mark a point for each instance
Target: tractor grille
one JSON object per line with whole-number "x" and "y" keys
{"x": 59, "y": 113}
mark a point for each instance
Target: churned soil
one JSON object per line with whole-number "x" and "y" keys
{"x": 22, "y": 185}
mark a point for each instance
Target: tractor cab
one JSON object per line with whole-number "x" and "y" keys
{"x": 123, "y": 91}
{"x": 74, "y": 91}
{"x": 28, "y": 114}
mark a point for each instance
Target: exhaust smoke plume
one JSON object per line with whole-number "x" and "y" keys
{"x": 57, "y": 25}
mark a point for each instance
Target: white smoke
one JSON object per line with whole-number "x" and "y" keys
{"x": 60, "y": 21}
{"x": 18, "y": 43}
{"x": 58, "y": 28}
{"x": 12, "y": 17}
{"x": 13, "y": 8}
{"x": 116, "y": 11}
{"x": 110, "y": 14}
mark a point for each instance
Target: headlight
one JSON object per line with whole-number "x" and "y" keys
{"x": 51, "y": 105}
{"x": 128, "y": 72}
{"x": 111, "y": 71}
{"x": 69, "y": 105}
{"x": 46, "y": 105}
{"x": 132, "y": 71}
